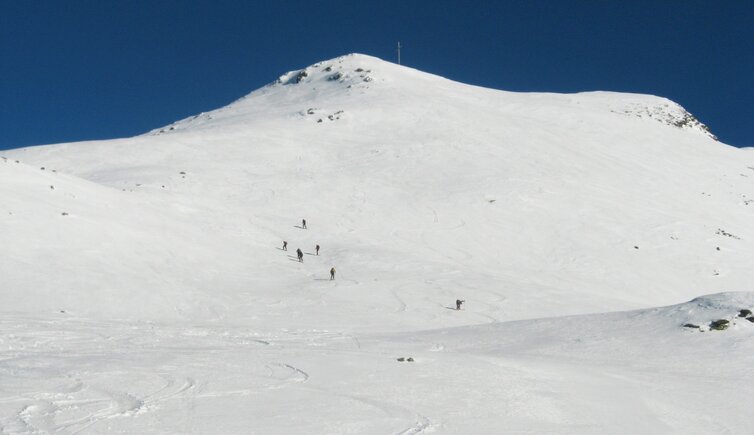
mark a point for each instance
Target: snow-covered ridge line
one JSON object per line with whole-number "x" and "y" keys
{"x": 696, "y": 315}
{"x": 353, "y": 73}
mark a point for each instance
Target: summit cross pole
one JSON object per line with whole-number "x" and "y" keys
{"x": 399, "y": 52}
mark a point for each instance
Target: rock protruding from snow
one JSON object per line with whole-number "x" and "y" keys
{"x": 663, "y": 111}
{"x": 719, "y": 325}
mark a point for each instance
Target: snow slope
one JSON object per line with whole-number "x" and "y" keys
{"x": 162, "y": 302}
{"x": 617, "y": 373}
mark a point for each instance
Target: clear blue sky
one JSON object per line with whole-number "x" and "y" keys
{"x": 79, "y": 70}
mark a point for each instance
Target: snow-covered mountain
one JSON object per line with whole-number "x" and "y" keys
{"x": 145, "y": 288}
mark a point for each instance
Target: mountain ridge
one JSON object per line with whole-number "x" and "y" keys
{"x": 354, "y": 72}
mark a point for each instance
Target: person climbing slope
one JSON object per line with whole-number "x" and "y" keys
{"x": 458, "y": 304}
{"x": 300, "y": 255}
{"x": 316, "y": 248}
{"x": 303, "y": 223}
{"x": 332, "y": 274}
{"x": 285, "y": 245}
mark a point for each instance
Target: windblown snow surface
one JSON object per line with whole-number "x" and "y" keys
{"x": 145, "y": 289}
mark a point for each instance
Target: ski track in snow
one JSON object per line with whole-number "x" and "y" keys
{"x": 291, "y": 373}
{"x": 46, "y": 414}
{"x": 401, "y": 303}
{"x": 420, "y": 426}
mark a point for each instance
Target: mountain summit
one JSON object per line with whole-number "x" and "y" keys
{"x": 357, "y": 79}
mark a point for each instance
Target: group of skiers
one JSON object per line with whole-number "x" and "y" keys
{"x": 300, "y": 253}
{"x": 300, "y": 256}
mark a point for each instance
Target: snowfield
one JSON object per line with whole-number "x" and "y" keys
{"x": 144, "y": 288}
